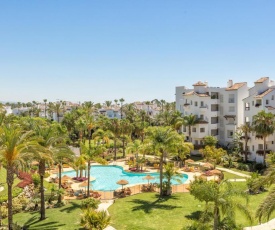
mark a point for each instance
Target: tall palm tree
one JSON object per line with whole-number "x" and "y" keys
{"x": 264, "y": 125}
{"x": 90, "y": 153}
{"x": 49, "y": 140}
{"x": 126, "y": 129}
{"x": 245, "y": 129}
{"x": 108, "y": 103}
{"x": 45, "y": 109}
{"x": 114, "y": 128}
{"x": 189, "y": 121}
{"x": 14, "y": 152}
{"x": 121, "y": 100}
{"x": 163, "y": 141}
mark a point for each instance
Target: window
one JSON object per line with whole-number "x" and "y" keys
{"x": 196, "y": 142}
{"x": 196, "y": 103}
{"x": 229, "y": 133}
{"x": 202, "y": 130}
{"x": 247, "y": 119}
{"x": 272, "y": 97}
{"x": 231, "y": 108}
{"x": 252, "y": 147}
{"x": 260, "y": 147}
{"x": 252, "y": 103}
{"x": 193, "y": 130}
{"x": 247, "y": 106}
{"x": 266, "y": 102}
{"x": 201, "y": 103}
{"x": 201, "y": 117}
{"x": 231, "y": 98}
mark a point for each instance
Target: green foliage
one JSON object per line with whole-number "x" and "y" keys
{"x": 211, "y": 153}
{"x": 90, "y": 203}
{"x": 15, "y": 192}
{"x": 91, "y": 219}
{"x": 210, "y": 140}
{"x": 36, "y": 179}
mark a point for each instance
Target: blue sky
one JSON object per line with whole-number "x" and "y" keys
{"x": 137, "y": 50}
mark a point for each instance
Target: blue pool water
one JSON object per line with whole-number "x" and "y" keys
{"x": 107, "y": 176}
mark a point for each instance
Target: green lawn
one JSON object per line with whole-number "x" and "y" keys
{"x": 228, "y": 175}
{"x": 64, "y": 218}
{"x": 144, "y": 211}
{"x": 3, "y": 176}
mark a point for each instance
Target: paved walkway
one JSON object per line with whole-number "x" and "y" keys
{"x": 104, "y": 207}
{"x": 233, "y": 172}
{"x": 266, "y": 226}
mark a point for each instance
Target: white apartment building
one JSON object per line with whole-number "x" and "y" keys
{"x": 261, "y": 97}
{"x": 151, "y": 109}
{"x": 219, "y": 110}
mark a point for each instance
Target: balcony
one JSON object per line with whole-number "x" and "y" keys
{"x": 203, "y": 108}
{"x": 247, "y": 108}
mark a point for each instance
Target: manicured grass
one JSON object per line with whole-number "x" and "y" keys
{"x": 144, "y": 211}
{"x": 228, "y": 175}
{"x": 63, "y": 218}
{"x": 3, "y": 176}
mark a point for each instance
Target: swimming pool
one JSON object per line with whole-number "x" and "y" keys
{"x": 107, "y": 176}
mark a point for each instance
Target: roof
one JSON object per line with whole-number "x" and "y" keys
{"x": 261, "y": 80}
{"x": 194, "y": 93}
{"x": 201, "y": 121}
{"x": 261, "y": 95}
{"x": 199, "y": 83}
{"x": 236, "y": 86}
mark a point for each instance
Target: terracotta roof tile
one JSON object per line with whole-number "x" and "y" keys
{"x": 198, "y": 94}
{"x": 261, "y": 80}
{"x": 261, "y": 95}
{"x": 236, "y": 86}
{"x": 199, "y": 83}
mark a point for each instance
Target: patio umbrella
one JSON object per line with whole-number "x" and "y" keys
{"x": 208, "y": 165}
{"x": 216, "y": 171}
{"x": 148, "y": 177}
{"x": 84, "y": 184}
{"x": 189, "y": 161}
{"x": 65, "y": 178}
{"x": 122, "y": 182}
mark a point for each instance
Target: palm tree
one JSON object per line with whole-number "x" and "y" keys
{"x": 14, "y": 153}
{"x": 189, "y": 121}
{"x": 49, "y": 139}
{"x": 169, "y": 173}
{"x": 245, "y": 129}
{"x": 91, "y": 153}
{"x": 114, "y": 128}
{"x": 264, "y": 125}
{"x": 134, "y": 149}
{"x": 221, "y": 200}
{"x": 163, "y": 141}
{"x": 108, "y": 103}
{"x": 45, "y": 109}
{"x": 121, "y": 100}
{"x": 126, "y": 129}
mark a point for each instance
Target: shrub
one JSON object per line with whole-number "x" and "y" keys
{"x": 90, "y": 203}
{"x": 47, "y": 174}
{"x": 36, "y": 179}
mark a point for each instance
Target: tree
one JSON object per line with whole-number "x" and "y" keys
{"x": 14, "y": 152}
{"x": 221, "y": 200}
{"x": 211, "y": 153}
{"x": 49, "y": 139}
{"x": 126, "y": 129}
{"x": 121, "y": 100}
{"x": 134, "y": 149}
{"x": 210, "y": 141}
{"x": 264, "y": 125}
{"x": 45, "y": 109}
{"x": 189, "y": 121}
{"x": 169, "y": 173}
{"x": 114, "y": 127}
{"x": 245, "y": 129}
{"x": 163, "y": 141}
{"x": 91, "y": 153}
